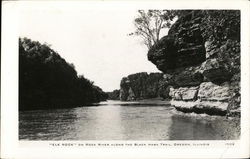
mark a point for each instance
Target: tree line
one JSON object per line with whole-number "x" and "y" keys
{"x": 46, "y": 80}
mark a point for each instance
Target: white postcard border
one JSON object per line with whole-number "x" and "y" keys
{"x": 11, "y": 147}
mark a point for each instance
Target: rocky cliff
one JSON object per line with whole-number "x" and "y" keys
{"x": 200, "y": 59}
{"x": 114, "y": 95}
{"x": 143, "y": 86}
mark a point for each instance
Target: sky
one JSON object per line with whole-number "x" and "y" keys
{"x": 96, "y": 41}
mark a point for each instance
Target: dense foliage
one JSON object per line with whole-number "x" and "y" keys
{"x": 46, "y": 80}
{"x": 141, "y": 86}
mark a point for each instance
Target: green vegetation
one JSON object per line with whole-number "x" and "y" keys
{"x": 46, "y": 80}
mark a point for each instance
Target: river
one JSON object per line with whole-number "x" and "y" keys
{"x": 115, "y": 120}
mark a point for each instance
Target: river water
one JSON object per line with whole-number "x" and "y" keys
{"x": 115, "y": 120}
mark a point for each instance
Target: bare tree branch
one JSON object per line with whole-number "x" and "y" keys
{"x": 149, "y": 24}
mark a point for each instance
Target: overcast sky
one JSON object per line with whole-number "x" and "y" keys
{"x": 94, "y": 40}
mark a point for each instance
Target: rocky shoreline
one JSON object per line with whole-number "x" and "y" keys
{"x": 200, "y": 64}
{"x": 207, "y": 98}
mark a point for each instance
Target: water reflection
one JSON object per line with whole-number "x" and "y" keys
{"x": 46, "y": 124}
{"x": 145, "y": 123}
{"x": 114, "y": 121}
{"x": 97, "y": 123}
{"x": 193, "y": 128}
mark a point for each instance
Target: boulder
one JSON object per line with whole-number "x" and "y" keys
{"x": 184, "y": 93}
{"x": 182, "y": 47}
{"x": 211, "y": 107}
{"x": 184, "y": 106}
{"x": 215, "y": 70}
{"x": 212, "y": 92}
{"x": 200, "y": 107}
{"x": 189, "y": 76}
{"x": 207, "y": 98}
{"x": 163, "y": 54}
{"x": 189, "y": 93}
{"x": 182, "y": 77}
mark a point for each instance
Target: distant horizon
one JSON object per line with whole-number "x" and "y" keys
{"x": 99, "y": 35}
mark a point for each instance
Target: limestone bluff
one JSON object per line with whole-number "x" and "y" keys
{"x": 142, "y": 86}
{"x": 200, "y": 59}
{"x": 200, "y": 64}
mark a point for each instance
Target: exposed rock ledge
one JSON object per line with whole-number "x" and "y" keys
{"x": 208, "y": 107}
{"x": 206, "y": 98}
{"x": 200, "y": 59}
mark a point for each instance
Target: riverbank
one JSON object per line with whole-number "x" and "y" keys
{"x": 156, "y": 101}
{"x": 142, "y": 102}
{"x": 186, "y": 107}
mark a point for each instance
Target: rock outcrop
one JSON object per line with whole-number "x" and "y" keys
{"x": 200, "y": 59}
{"x": 207, "y": 98}
{"x": 184, "y": 45}
{"x": 114, "y": 95}
{"x": 143, "y": 86}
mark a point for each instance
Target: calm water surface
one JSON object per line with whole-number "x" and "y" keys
{"x": 113, "y": 120}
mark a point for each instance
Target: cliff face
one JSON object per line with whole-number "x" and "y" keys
{"x": 114, "y": 95}
{"x": 200, "y": 59}
{"x": 142, "y": 86}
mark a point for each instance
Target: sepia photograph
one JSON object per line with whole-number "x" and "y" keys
{"x": 129, "y": 75}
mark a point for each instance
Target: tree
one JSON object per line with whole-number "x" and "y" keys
{"x": 46, "y": 80}
{"x": 149, "y": 24}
